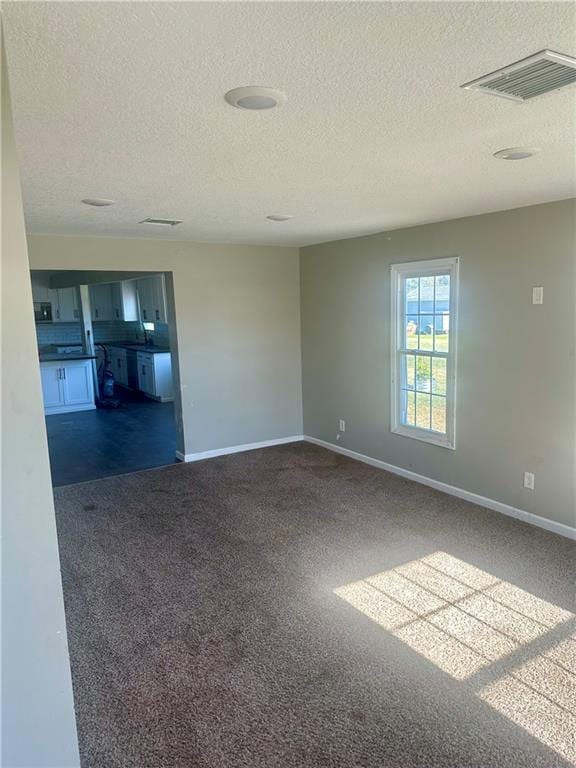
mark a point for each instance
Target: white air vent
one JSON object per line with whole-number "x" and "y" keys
{"x": 162, "y": 222}
{"x": 541, "y": 73}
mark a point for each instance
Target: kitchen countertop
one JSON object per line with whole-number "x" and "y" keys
{"x": 150, "y": 349}
{"x": 60, "y": 357}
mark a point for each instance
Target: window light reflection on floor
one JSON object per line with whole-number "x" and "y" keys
{"x": 474, "y": 626}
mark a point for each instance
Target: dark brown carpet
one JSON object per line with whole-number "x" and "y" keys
{"x": 205, "y": 629}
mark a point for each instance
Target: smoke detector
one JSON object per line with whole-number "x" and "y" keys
{"x": 98, "y": 202}
{"x": 162, "y": 222}
{"x": 533, "y": 76}
{"x": 255, "y": 97}
{"x": 515, "y": 153}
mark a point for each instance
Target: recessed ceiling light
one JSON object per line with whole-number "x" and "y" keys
{"x": 162, "y": 222}
{"x": 279, "y": 217}
{"x": 98, "y": 202}
{"x": 515, "y": 153}
{"x": 255, "y": 97}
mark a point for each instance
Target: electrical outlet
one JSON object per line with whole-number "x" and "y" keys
{"x": 538, "y": 295}
{"x": 529, "y": 480}
{"x": 342, "y": 425}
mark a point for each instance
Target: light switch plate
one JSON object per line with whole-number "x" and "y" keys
{"x": 538, "y": 295}
{"x": 529, "y": 480}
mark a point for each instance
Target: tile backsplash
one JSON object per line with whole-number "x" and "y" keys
{"x": 56, "y": 333}
{"x": 70, "y": 333}
{"x": 114, "y": 330}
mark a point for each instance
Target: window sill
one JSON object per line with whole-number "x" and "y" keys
{"x": 442, "y": 441}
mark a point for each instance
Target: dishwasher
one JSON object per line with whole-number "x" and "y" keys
{"x": 132, "y": 367}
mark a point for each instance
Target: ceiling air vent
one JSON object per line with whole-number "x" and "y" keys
{"x": 541, "y": 73}
{"x": 162, "y": 222}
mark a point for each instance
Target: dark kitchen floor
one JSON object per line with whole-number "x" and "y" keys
{"x": 92, "y": 444}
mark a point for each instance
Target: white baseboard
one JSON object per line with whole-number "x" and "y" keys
{"x": 496, "y": 506}
{"x": 237, "y": 448}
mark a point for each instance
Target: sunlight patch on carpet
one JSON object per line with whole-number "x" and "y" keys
{"x": 465, "y": 620}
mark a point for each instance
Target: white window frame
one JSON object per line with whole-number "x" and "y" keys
{"x": 399, "y": 272}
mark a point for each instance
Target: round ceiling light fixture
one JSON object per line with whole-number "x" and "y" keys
{"x": 98, "y": 202}
{"x": 279, "y": 217}
{"x": 515, "y": 153}
{"x": 255, "y": 97}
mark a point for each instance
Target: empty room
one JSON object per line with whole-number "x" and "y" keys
{"x": 288, "y": 310}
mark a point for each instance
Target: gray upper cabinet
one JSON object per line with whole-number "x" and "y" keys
{"x": 41, "y": 290}
{"x": 101, "y": 301}
{"x": 130, "y": 300}
{"x": 152, "y": 299}
{"x": 66, "y": 306}
{"x": 159, "y": 299}
{"x": 125, "y": 301}
{"x": 144, "y": 288}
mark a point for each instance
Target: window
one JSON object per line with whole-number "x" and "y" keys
{"x": 424, "y": 299}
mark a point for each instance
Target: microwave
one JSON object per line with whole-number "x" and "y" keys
{"x": 42, "y": 312}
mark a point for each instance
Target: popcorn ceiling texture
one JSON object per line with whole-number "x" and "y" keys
{"x": 376, "y": 133}
{"x": 205, "y": 631}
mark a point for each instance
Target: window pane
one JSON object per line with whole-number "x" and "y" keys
{"x": 411, "y": 296}
{"x": 407, "y": 371}
{"x": 426, "y": 328}
{"x": 422, "y": 411}
{"x": 442, "y": 294}
{"x": 411, "y": 332}
{"x": 439, "y": 414}
{"x": 423, "y": 371}
{"x": 441, "y": 332}
{"x": 426, "y": 295}
{"x": 439, "y": 376}
{"x": 408, "y": 409}
{"x": 441, "y": 328}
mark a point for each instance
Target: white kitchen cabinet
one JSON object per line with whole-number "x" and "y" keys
{"x": 119, "y": 365}
{"x": 101, "y": 301}
{"x": 77, "y": 383}
{"x": 67, "y": 386}
{"x": 152, "y": 299}
{"x": 51, "y": 387}
{"x": 155, "y": 375}
{"x": 146, "y": 381}
{"x": 125, "y": 301}
{"x": 66, "y": 308}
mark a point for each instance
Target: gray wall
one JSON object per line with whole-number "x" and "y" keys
{"x": 238, "y": 321}
{"x": 516, "y": 365}
{"x": 38, "y": 727}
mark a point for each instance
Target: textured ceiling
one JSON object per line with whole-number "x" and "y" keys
{"x": 126, "y": 101}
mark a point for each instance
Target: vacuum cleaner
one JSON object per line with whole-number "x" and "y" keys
{"x": 106, "y": 398}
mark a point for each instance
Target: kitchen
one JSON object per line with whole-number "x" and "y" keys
{"x": 104, "y": 344}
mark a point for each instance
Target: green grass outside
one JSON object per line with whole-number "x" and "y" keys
{"x": 427, "y": 408}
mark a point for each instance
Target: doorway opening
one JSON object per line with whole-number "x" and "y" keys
{"x": 107, "y": 346}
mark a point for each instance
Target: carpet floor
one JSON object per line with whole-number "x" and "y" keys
{"x": 290, "y": 607}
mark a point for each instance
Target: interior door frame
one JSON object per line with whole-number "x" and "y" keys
{"x": 123, "y": 274}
